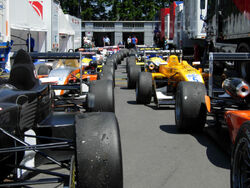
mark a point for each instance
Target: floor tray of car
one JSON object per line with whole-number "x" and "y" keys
{"x": 57, "y": 119}
{"x": 163, "y": 99}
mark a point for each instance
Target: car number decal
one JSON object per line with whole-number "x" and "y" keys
{"x": 194, "y": 77}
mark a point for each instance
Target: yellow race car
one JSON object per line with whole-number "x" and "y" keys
{"x": 162, "y": 76}
{"x": 136, "y": 64}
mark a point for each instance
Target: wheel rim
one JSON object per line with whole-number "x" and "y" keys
{"x": 241, "y": 166}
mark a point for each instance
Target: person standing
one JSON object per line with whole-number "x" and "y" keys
{"x": 106, "y": 41}
{"x": 30, "y": 42}
{"x": 129, "y": 42}
{"x": 134, "y": 41}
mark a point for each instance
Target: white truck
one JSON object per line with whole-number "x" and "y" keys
{"x": 229, "y": 29}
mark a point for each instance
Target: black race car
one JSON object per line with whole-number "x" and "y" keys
{"x": 86, "y": 145}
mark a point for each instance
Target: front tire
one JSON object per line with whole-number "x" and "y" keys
{"x": 98, "y": 151}
{"x": 108, "y": 73}
{"x": 240, "y": 158}
{"x": 103, "y": 91}
{"x": 144, "y": 88}
{"x": 133, "y": 73}
{"x": 190, "y": 107}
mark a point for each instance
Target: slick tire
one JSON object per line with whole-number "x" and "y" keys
{"x": 133, "y": 73}
{"x": 240, "y": 158}
{"x": 190, "y": 107}
{"x": 108, "y": 73}
{"x": 130, "y": 61}
{"x": 115, "y": 62}
{"x": 103, "y": 92}
{"x": 144, "y": 88}
{"x": 98, "y": 151}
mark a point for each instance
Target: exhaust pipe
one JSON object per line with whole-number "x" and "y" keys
{"x": 236, "y": 87}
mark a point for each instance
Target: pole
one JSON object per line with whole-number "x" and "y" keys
{"x": 29, "y": 42}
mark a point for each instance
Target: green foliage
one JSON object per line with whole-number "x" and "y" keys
{"x": 113, "y": 9}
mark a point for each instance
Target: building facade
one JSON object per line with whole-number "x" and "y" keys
{"x": 119, "y": 31}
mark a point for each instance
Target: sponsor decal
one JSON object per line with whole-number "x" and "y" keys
{"x": 38, "y": 7}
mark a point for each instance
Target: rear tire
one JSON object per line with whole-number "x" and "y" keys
{"x": 130, "y": 61}
{"x": 98, "y": 151}
{"x": 108, "y": 73}
{"x": 133, "y": 73}
{"x": 103, "y": 91}
{"x": 190, "y": 107}
{"x": 144, "y": 88}
{"x": 240, "y": 158}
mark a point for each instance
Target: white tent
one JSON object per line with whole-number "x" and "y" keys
{"x": 24, "y": 17}
{"x": 64, "y": 26}
{"x": 66, "y": 33}
{"x": 76, "y": 24}
{"x": 23, "y": 20}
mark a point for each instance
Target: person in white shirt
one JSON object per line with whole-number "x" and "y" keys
{"x": 129, "y": 41}
{"x": 106, "y": 41}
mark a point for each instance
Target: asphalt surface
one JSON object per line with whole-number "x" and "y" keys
{"x": 155, "y": 155}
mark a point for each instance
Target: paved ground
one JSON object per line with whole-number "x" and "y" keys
{"x": 156, "y": 156}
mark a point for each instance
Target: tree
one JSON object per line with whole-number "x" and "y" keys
{"x": 114, "y": 9}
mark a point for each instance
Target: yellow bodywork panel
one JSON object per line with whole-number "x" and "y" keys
{"x": 68, "y": 63}
{"x": 174, "y": 70}
{"x": 140, "y": 63}
{"x": 86, "y": 61}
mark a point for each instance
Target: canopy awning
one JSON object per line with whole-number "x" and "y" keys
{"x": 64, "y": 26}
{"x": 24, "y": 17}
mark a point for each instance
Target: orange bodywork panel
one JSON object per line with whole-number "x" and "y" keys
{"x": 234, "y": 120}
{"x": 42, "y": 76}
{"x": 76, "y": 75}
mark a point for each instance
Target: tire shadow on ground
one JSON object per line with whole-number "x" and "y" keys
{"x": 152, "y": 106}
{"x": 214, "y": 152}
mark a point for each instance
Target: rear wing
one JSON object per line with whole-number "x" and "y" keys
{"x": 147, "y": 48}
{"x": 163, "y": 53}
{"x": 57, "y": 55}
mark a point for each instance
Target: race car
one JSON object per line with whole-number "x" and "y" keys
{"x": 138, "y": 58}
{"x": 228, "y": 111}
{"x": 71, "y": 80}
{"x": 84, "y": 146}
{"x": 161, "y": 77}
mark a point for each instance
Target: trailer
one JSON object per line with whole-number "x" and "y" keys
{"x": 228, "y": 29}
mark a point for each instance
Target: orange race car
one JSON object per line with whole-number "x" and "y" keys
{"x": 73, "y": 82}
{"x": 68, "y": 71}
{"x": 225, "y": 110}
